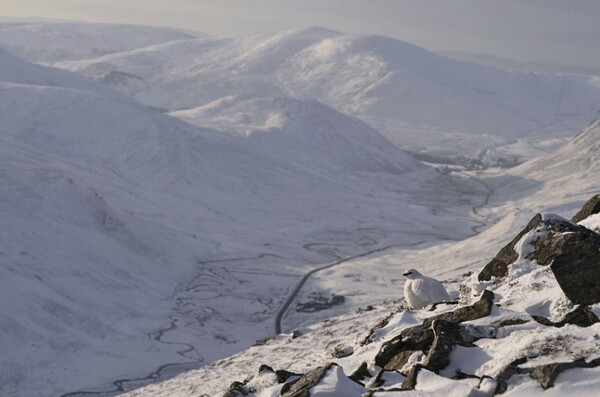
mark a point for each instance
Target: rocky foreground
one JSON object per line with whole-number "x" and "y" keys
{"x": 527, "y": 323}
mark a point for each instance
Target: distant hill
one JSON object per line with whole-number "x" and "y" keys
{"x": 49, "y": 41}
{"x": 441, "y": 109}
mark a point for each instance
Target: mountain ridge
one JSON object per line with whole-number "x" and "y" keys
{"x": 409, "y": 94}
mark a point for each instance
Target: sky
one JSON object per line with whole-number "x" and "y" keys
{"x": 559, "y": 31}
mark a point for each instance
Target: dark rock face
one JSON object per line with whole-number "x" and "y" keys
{"x": 573, "y": 253}
{"x": 411, "y": 378}
{"x": 544, "y": 374}
{"x": 498, "y": 267}
{"x": 547, "y": 374}
{"x": 283, "y": 375}
{"x": 236, "y": 389}
{"x": 590, "y": 208}
{"x": 582, "y": 317}
{"x": 361, "y": 373}
{"x": 447, "y": 335}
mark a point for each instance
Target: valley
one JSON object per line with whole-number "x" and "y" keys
{"x": 168, "y": 198}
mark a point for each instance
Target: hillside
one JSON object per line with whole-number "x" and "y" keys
{"x": 50, "y": 42}
{"x": 102, "y": 194}
{"x": 529, "y": 318}
{"x": 529, "y": 330}
{"x": 305, "y": 133}
{"x": 559, "y": 181}
{"x": 182, "y": 196}
{"x": 439, "y": 108}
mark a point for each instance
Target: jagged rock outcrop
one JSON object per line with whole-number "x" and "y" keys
{"x": 582, "y": 317}
{"x": 361, "y": 373}
{"x": 300, "y": 387}
{"x": 236, "y": 389}
{"x": 544, "y": 374}
{"x": 498, "y": 267}
{"x": 447, "y": 334}
{"x": 590, "y": 208}
{"x": 394, "y": 354}
{"x": 547, "y": 374}
{"x": 573, "y": 253}
{"x": 571, "y": 250}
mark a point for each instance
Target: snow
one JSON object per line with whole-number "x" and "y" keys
{"x": 442, "y": 109}
{"x": 573, "y": 382}
{"x": 52, "y": 41}
{"x": 592, "y": 222}
{"x": 429, "y": 383}
{"x": 132, "y": 238}
{"x": 167, "y": 216}
{"x": 487, "y": 358}
{"x": 335, "y": 383}
{"x": 303, "y": 132}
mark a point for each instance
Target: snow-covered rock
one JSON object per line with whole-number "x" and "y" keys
{"x": 589, "y": 209}
{"x": 571, "y": 251}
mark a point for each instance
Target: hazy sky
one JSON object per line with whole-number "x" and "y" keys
{"x": 564, "y": 31}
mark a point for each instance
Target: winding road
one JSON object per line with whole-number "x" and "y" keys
{"x": 298, "y": 287}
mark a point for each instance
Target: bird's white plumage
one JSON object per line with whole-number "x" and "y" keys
{"x": 420, "y": 290}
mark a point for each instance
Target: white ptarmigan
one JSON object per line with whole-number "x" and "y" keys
{"x": 420, "y": 290}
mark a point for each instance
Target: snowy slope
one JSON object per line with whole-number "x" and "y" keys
{"x": 426, "y": 103}
{"x": 192, "y": 73}
{"x": 510, "y": 347}
{"x": 198, "y": 234}
{"x": 53, "y": 41}
{"x": 560, "y": 181}
{"x": 303, "y": 132}
{"x": 581, "y": 157}
{"x": 511, "y": 64}
{"x": 118, "y": 219}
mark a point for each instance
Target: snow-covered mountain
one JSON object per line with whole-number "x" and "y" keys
{"x": 135, "y": 244}
{"x": 558, "y": 182}
{"x": 50, "y": 42}
{"x": 581, "y": 157}
{"x": 305, "y": 133}
{"x": 117, "y": 219}
{"x": 443, "y": 109}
